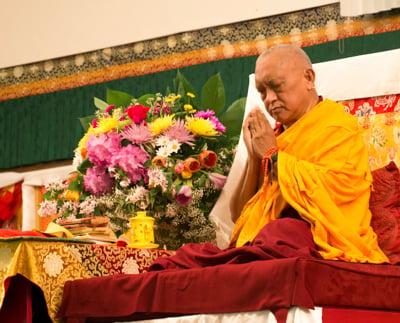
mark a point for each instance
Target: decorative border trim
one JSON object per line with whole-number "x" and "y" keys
{"x": 333, "y": 31}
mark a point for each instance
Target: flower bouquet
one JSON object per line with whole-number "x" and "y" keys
{"x": 158, "y": 153}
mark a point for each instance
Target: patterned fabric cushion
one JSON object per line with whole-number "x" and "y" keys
{"x": 385, "y": 208}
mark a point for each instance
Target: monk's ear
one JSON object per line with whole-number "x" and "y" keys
{"x": 309, "y": 75}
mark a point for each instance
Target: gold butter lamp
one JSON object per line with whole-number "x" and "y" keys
{"x": 141, "y": 233}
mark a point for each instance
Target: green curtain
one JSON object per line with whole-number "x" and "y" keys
{"x": 44, "y": 128}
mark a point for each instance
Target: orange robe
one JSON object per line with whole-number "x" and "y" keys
{"x": 323, "y": 174}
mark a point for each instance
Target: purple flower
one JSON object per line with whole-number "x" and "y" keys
{"x": 101, "y": 148}
{"x": 218, "y": 180}
{"x": 184, "y": 197}
{"x": 131, "y": 159}
{"x": 97, "y": 181}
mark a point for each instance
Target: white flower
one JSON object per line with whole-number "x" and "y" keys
{"x": 162, "y": 141}
{"x": 5, "y": 257}
{"x": 47, "y": 208}
{"x": 130, "y": 266}
{"x": 53, "y": 264}
{"x": 125, "y": 182}
{"x": 164, "y": 151}
{"x": 174, "y": 146}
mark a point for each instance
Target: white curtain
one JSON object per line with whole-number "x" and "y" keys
{"x": 361, "y": 7}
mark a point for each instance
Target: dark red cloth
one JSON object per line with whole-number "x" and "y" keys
{"x": 283, "y": 238}
{"x": 385, "y": 208}
{"x": 176, "y": 291}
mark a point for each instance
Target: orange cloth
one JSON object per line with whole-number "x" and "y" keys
{"x": 323, "y": 173}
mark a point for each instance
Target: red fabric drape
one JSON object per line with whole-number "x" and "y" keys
{"x": 9, "y": 202}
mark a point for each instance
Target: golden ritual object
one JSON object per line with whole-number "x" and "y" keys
{"x": 141, "y": 233}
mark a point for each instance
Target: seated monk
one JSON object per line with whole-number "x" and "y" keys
{"x": 316, "y": 163}
{"x": 306, "y": 186}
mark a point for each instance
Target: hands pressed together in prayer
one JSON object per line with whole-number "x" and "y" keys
{"x": 258, "y": 134}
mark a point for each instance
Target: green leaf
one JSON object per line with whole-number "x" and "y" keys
{"x": 118, "y": 98}
{"x": 232, "y": 119}
{"x": 213, "y": 94}
{"x": 75, "y": 186}
{"x": 100, "y": 104}
{"x": 87, "y": 121}
{"x": 84, "y": 166}
{"x": 143, "y": 99}
{"x": 183, "y": 86}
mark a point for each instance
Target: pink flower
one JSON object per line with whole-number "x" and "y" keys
{"x": 95, "y": 123}
{"x": 101, "y": 148}
{"x": 137, "y": 113}
{"x": 210, "y": 115}
{"x": 204, "y": 114}
{"x": 218, "y": 180}
{"x": 137, "y": 134}
{"x": 131, "y": 159}
{"x": 184, "y": 197}
{"x": 179, "y": 167}
{"x": 97, "y": 181}
{"x": 180, "y": 133}
{"x": 218, "y": 125}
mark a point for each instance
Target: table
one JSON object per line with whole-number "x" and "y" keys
{"x": 49, "y": 262}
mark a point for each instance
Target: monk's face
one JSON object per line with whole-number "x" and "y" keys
{"x": 282, "y": 79}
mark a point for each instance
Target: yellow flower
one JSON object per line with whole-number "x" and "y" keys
{"x": 84, "y": 139}
{"x": 106, "y": 125}
{"x": 186, "y": 174}
{"x": 161, "y": 124}
{"x": 168, "y": 100}
{"x": 176, "y": 97}
{"x": 201, "y": 127}
{"x": 191, "y": 95}
{"x": 189, "y": 108}
{"x": 71, "y": 195}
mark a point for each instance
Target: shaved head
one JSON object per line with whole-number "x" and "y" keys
{"x": 288, "y": 51}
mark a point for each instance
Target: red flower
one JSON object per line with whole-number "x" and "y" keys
{"x": 137, "y": 113}
{"x": 208, "y": 158}
{"x": 109, "y": 109}
{"x": 191, "y": 164}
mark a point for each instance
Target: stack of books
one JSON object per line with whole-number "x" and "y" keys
{"x": 94, "y": 229}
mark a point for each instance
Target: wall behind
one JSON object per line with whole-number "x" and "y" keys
{"x": 32, "y": 31}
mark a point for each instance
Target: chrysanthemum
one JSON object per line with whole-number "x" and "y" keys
{"x": 106, "y": 125}
{"x": 137, "y": 134}
{"x": 161, "y": 124}
{"x": 179, "y": 132}
{"x": 201, "y": 127}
